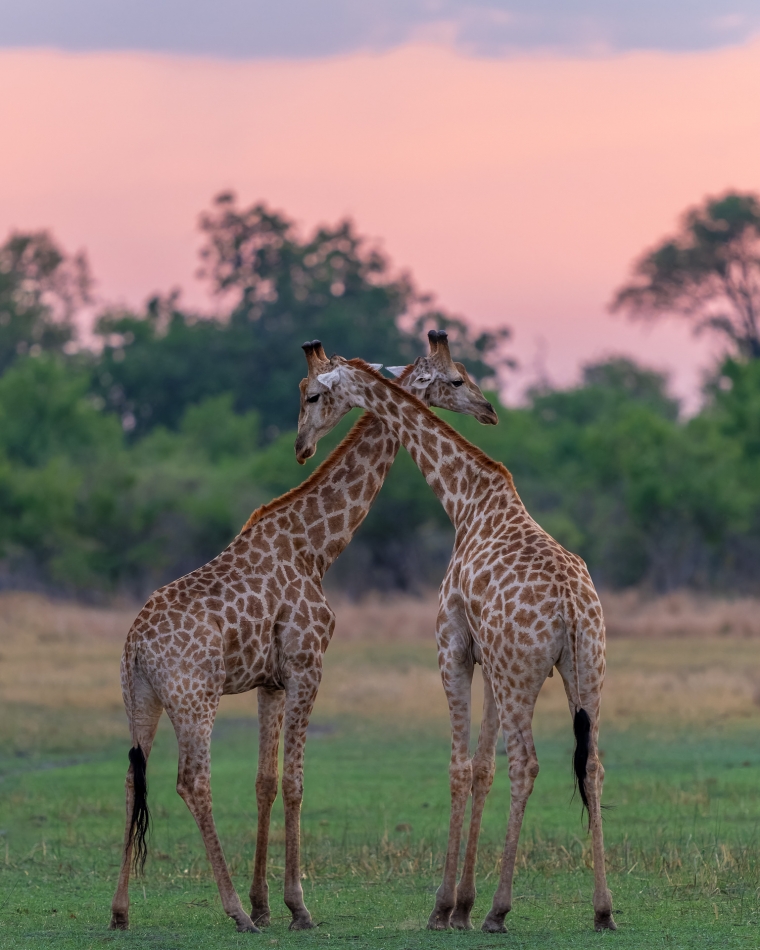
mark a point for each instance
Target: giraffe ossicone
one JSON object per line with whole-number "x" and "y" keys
{"x": 513, "y": 601}
{"x": 255, "y": 617}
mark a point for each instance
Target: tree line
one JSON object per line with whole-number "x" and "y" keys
{"x": 132, "y": 460}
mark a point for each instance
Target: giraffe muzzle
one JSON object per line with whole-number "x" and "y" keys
{"x": 487, "y": 416}
{"x": 303, "y": 450}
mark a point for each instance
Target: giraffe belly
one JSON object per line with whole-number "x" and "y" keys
{"x": 250, "y": 659}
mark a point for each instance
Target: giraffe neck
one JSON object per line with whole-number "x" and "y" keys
{"x": 458, "y": 472}
{"x": 323, "y": 513}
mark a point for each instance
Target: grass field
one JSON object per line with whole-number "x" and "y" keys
{"x": 681, "y": 741}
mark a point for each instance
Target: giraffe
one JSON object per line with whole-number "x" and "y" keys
{"x": 255, "y": 617}
{"x": 513, "y": 601}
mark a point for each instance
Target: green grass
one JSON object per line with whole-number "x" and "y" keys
{"x": 683, "y": 840}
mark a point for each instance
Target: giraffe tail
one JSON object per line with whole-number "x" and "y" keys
{"x": 581, "y": 719}
{"x": 582, "y": 730}
{"x": 140, "y": 821}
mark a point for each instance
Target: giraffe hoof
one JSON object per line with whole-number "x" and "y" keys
{"x": 261, "y": 916}
{"x": 301, "y": 923}
{"x": 492, "y": 925}
{"x": 246, "y": 926}
{"x": 119, "y": 921}
{"x": 604, "y": 921}
{"x": 440, "y": 919}
{"x": 460, "y": 919}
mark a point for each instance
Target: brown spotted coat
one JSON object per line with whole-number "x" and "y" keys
{"x": 514, "y": 601}
{"x": 255, "y": 617}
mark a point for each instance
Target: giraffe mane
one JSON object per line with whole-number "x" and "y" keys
{"x": 326, "y": 466}
{"x": 357, "y": 432}
{"x": 471, "y": 451}
{"x": 316, "y": 477}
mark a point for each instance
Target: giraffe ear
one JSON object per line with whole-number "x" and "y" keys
{"x": 422, "y": 381}
{"x": 396, "y": 370}
{"x": 329, "y": 379}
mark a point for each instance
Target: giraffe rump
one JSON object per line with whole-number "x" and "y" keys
{"x": 582, "y": 730}
{"x": 140, "y": 821}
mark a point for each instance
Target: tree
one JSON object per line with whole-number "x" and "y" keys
{"x": 606, "y": 387}
{"x": 333, "y": 281}
{"x": 278, "y": 289}
{"x": 733, "y": 402}
{"x": 709, "y": 273}
{"x": 41, "y": 291}
{"x": 46, "y": 411}
{"x": 55, "y": 443}
{"x": 153, "y": 366}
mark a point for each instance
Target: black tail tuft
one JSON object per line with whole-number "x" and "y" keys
{"x": 582, "y": 730}
{"x": 140, "y": 825}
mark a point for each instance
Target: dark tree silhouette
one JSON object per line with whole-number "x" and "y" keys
{"x": 41, "y": 290}
{"x": 708, "y": 273}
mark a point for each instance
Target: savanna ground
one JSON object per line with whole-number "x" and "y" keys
{"x": 681, "y": 741}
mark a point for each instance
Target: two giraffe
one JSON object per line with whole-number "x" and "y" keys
{"x": 512, "y": 600}
{"x": 255, "y": 617}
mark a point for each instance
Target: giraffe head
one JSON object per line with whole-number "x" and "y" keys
{"x": 435, "y": 379}
{"x": 438, "y": 381}
{"x": 317, "y": 400}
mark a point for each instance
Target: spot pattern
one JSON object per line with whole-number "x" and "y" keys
{"x": 255, "y": 617}
{"x": 514, "y": 601}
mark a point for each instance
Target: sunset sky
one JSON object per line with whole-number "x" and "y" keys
{"x": 516, "y": 158}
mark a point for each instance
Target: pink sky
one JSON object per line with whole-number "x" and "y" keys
{"x": 516, "y": 190}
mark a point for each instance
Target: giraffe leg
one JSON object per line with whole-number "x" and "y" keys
{"x": 143, "y": 725}
{"x": 301, "y": 691}
{"x": 483, "y": 768}
{"x": 523, "y": 769}
{"x": 603, "y": 919}
{"x": 590, "y": 680}
{"x": 271, "y": 710}
{"x": 193, "y": 729}
{"x": 457, "y": 683}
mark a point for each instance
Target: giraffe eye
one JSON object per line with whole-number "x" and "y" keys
{"x": 457, "y": 382}
{"x": 312, "y": 398}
